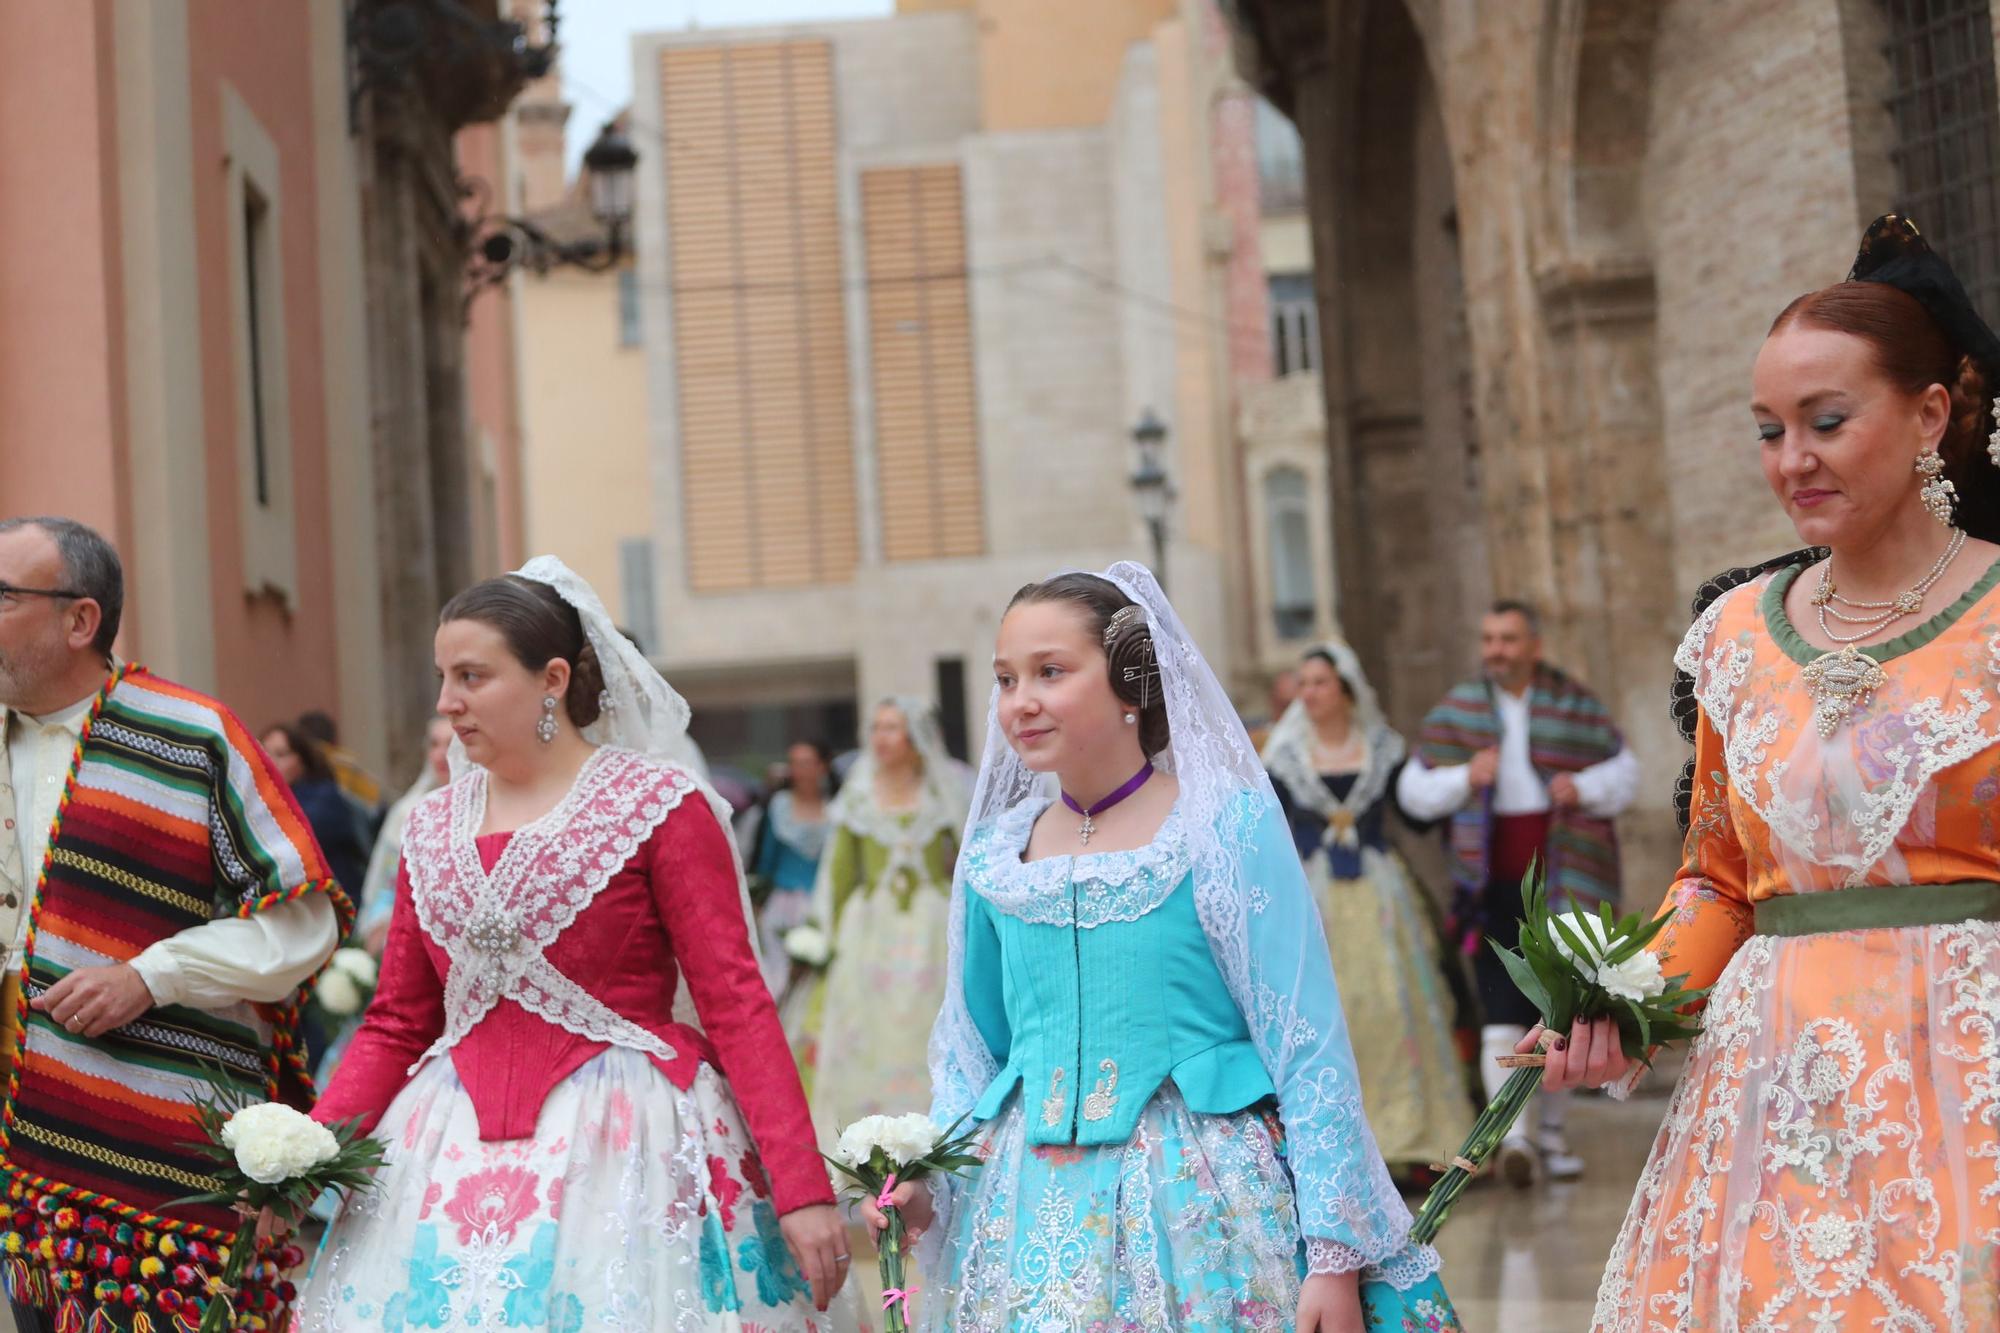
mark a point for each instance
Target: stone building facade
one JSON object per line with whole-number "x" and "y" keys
{"x": 906, "y": 286}
{"x": 1548, "y": 239}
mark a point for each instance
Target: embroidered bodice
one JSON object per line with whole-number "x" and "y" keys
{"x": 1903, "y": 791}
{"x": 1093, "y": 980}
{"x": 523, "y": 955}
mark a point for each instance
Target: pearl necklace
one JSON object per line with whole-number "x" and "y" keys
{"x": 1886, "y": 613}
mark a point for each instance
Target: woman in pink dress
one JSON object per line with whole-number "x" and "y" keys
{"x": 591, "y": 1116}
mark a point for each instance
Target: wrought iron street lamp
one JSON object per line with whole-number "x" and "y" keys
{"x": 507, "y": 243}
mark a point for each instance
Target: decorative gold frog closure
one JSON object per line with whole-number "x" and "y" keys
{"x": 1055, "y": 1104}
{"x": 1098, "y": 1105}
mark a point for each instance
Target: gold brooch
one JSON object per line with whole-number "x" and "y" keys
{"x": 1839, "y": 682}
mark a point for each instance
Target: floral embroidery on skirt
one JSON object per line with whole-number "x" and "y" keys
{"x": 1830, "y": 1159}
{"x": 1189, "y": 1227}
{"x": 634, "y": 1206}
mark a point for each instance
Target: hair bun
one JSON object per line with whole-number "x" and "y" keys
{"x": 586, "y": 686}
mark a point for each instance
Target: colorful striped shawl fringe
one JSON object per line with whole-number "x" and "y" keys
{"x": 168, "y": 813}
{"x": 1569, "y": 730}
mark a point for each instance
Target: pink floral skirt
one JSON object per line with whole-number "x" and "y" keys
{"x": 635, "y": 1205}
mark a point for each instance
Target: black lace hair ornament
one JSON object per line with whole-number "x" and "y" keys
{"x": 1893, "y": 251}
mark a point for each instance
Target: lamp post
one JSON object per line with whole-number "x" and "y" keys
{"x": 1152, "y": 487}
{"x": 507, "y": 243}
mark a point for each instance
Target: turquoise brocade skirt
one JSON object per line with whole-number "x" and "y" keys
{"x": 1188, "y": 1226}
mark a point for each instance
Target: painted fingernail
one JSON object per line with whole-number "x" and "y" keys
{"x": 1562, "y": 1043}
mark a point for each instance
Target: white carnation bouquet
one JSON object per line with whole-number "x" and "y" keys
{"x": 807, "y": 946}
{"x": 269, "y": 1155}
{"x": 1572, "y": 966}
{"x": 878, "y": 1153}
{"x": 347, "y": 985}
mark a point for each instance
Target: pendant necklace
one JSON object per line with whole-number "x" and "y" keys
{"x": 1089, "y": 825}
{"x": 1842, "y": 680}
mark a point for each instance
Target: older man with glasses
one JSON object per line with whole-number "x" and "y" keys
{"x": 162, "y": 906}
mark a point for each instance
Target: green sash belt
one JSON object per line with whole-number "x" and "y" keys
{"x": 1879, "y": 907}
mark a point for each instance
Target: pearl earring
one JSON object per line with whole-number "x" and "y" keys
{"x": 1937, "y": 492}
{"x": 1130, "y": 718}
{"x": 546, "y": 728}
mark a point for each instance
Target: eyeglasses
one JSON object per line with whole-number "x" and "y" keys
{"x": 10, "y": 594}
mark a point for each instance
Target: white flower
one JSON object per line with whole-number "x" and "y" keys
{"x": 274, "y": 1143}
{"x": 1637, "y": 978}
{"x": 902, "y": 1139}
{"x": 338, "y": 994}
{"x": 809, "y": 945}
{"x": 1586, "y": 927}
{"x": 356, "y": 963}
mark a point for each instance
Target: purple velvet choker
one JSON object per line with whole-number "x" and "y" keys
{"x": 1089, "y": 825}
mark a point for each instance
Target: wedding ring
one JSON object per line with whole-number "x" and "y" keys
{"x": 842, "y": 1258}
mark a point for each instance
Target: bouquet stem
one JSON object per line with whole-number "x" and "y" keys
{"x": 219, "y": 1315}
{"x": 1487, "y": 1133}
{"x": 889, "y": 1261}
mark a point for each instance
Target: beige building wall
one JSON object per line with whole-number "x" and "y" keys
{"x": 586, "y": 473}
{"x": 1072, "y": 266}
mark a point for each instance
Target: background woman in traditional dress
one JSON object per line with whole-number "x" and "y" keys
{"x": 591, "y": 1119}
{"x": 1831, "y": 1155}
{"x": 883, "y": 896}
{"x": 1333, "y": 759}
{"x": 791, "y": 839}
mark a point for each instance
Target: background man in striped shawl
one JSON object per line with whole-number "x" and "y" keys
{"x": 1528, "y": 765}
{"x": 162, "y": 905}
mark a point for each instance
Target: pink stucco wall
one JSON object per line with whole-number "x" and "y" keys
{"x": 61, "y": 402}
{"x": 270, "y": 662}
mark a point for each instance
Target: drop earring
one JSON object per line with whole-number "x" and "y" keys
{"x": 546, "y": 728}
{"x": 1938, "y": 492}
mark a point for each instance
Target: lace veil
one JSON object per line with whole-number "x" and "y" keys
{"x": 1263, "y": 929}
{"x": 1288, "y": 749}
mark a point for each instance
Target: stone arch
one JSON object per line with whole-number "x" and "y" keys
{"x": 1614, "y": 610}
{"x": 1403, "y": 462}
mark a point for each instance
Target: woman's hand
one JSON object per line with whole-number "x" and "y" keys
{"x": 913, "y": 1200}
{"x": 1591, "y": 1056}
{"x": 818, "y": 1242}
{"x": 1330, "y": 1303}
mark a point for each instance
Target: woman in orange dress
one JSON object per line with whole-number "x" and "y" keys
{"x": 1830, "y": 1159}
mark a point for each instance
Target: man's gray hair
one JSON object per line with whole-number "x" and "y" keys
{"x": 1514, "y": 606}
{"x": 91, "y": 568}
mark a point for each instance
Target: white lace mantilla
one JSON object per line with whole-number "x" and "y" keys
{"x": 1839, "y": 802}
{"x": 1108, "y": 886}
{"x": 497, "y": 928}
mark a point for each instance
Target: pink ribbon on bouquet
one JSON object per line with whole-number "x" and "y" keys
{"x": 888, "y": 1188}
{"x": 893, "y": 1294}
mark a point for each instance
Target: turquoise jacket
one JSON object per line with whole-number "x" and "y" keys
{"x": 1092, "y": 982}
{"x": 1087, "y": 981}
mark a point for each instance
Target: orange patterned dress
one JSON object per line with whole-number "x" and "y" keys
{"x": 1830, "y": 1159}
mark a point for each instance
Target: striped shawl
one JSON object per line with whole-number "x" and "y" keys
{"x": 1569, "y": 730}
{"x": 171, "y": 817}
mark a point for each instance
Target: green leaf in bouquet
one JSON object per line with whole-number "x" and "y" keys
{"x": 1569, "y": 935}
{"x": 1559, "y": 984}
{"x": 1523, "y": 974}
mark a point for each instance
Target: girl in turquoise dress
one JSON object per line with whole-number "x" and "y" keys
{"x": 1141, "y": 1018}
